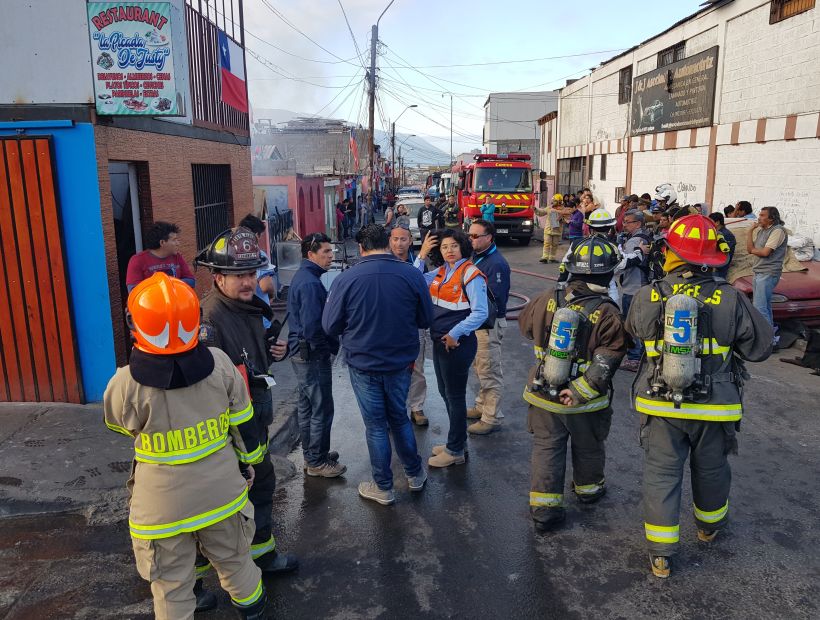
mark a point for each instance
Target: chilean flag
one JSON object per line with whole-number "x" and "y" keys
{"x": 232, "y": 68}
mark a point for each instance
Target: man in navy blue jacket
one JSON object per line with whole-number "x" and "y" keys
{"x": 487, "y": 364}
{"x": 311, "y": 350}
{"x": 378, "y": 306}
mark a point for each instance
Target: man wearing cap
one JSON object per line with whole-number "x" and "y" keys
{"x": 232, "y": 321}
{"x": 552, "y": 228}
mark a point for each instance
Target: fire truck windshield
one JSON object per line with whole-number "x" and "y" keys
{"x": 500, "y": 180}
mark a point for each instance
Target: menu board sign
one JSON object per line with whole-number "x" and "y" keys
{"x": 678, "y": 96}
{"x": 132, "y": 58}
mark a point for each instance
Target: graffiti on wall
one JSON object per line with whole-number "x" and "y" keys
{"x": 794, "y": 207}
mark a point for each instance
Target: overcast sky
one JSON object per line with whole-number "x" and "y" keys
{"x": 415, "y": 35}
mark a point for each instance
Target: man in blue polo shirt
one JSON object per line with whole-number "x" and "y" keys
{"x": 487, "y": 363}
{"x": 377, "y": 307}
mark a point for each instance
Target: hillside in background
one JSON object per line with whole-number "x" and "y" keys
{"x": 415, "y": 150}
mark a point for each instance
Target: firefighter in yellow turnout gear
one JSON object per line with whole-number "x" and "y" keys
{"x": 697, "y": 330}
{"x": 579, "y": 343}
{"x": 187, "y": 409}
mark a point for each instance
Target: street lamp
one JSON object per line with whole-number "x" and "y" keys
{"x": 451, "y": 124}
{"x": 393, "y": 144}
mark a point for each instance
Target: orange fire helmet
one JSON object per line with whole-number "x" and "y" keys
{"x": 163, "y": 314}
{"x": 695, "y": 240}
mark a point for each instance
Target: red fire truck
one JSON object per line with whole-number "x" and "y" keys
{"x": 504, "y": 180}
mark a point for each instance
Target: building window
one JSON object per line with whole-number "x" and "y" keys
{"x": 625, "y": 85}
{"x": 619, "y": 193}
{"x": 603, "y": 167}
{"x": 783, "y": 9}
{"x": 672, "y": 54}
{"x": 549, "y": 138}
{"x": 212, "y": 201}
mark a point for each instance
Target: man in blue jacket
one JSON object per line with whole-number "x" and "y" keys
{"x": 377, "y": 307}
{"x": 311, "y": 350}
{"x": 487, "y": 364}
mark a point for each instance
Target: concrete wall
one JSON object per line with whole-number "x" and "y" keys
{"x": 604, "y": 191}
{"x": 513, "y": 116}
{"x": 683, "y": 168}
{"x": 770, "y": 69}
{"x": 47, "y": 58}
{"x": 780, "y": 174}
{"x": 764, "y": 143}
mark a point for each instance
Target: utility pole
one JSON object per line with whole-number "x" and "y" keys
{"x": 374, "y": 41}
{"x": 393, "y": 142}
{"x": 393, "y": 155}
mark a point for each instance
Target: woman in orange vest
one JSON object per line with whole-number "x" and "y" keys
{"x": 459, "y": 293}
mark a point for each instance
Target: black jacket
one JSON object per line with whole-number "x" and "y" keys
{"x": 236, "y": 328}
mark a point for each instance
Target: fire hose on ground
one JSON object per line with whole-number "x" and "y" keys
{"x": 512, "y": 311}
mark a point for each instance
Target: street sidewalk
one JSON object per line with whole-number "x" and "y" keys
{"x": 57, "y": 457}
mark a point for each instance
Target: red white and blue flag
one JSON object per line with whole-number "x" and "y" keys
{"x": 232, "y": 68}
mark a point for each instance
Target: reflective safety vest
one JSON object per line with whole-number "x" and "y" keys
{"x": 450, "y": 302}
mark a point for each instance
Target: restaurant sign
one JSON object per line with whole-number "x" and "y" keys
{"x": 132, "y": 58}
{"x": 678, "y": 96}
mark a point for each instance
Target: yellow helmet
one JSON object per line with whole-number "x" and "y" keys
{"x": 558, "y": 198}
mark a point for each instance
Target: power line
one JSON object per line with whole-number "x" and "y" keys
{"x": 352, "y": 36}
{"x": 278, "y": 70}
{"x": 336, "y": 96}
{"x": 290, "y": 24}
{"x": 509, "y": 62}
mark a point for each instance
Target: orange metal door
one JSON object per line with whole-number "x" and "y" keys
{"x": 38, "y": 353}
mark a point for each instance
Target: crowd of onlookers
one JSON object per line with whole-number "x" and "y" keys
{"x": 639, "y": 226}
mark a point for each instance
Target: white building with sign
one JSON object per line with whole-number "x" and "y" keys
{"x": 724, "y": 105}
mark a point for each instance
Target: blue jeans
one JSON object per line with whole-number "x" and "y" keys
{"x": 635, "y": 348}
{"x": 762, "y": 288}
{"x": 382, "y": 398}
{"x": 452, "y": 370}
{"x": 315, "y": 407}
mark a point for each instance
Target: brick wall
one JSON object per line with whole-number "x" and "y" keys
{"x": 770, "y": 69}
{"x": 166, "y": 193}
{"x": 775, "y": 174}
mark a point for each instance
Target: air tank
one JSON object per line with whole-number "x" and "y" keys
{"x": 561, "y": 348}
{"x": 680, "y": 344}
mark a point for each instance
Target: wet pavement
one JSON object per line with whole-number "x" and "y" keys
{"x": 465, "y": 547}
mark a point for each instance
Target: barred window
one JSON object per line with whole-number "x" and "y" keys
{"x": 625, "y": 85}
{"x": 672, "y": 54}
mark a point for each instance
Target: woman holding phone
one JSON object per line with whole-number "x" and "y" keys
{"x": 459, "y": 293}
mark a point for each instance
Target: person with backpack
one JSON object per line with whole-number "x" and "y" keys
{"x": 698, "y": 331}
{"x": 579, "y": 343}
{"x": 458, "y": 290}
{"x": 634, "y": 274}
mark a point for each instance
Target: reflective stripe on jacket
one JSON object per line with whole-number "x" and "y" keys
{"x": 186, "y": 478}
{"x": 737, "y": 332}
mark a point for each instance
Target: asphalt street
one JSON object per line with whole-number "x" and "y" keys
{"x": 466, "y": 548}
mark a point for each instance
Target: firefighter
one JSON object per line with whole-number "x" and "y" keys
{"x": 232, "y": 321}
{"x": 187, "y": 410}
{"x": 579, "y": 343}
{"x": 602, "y": 224}
{"x": 697, "y": 330}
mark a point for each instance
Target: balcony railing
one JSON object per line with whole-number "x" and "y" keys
{"x": 204, "y": 18}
